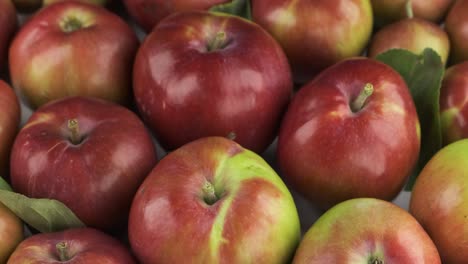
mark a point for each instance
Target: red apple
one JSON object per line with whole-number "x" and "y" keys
{"x": 456, "y": 25}
{"x": 315, "y": 34}
{"x": 412, "y": 34}
{"x": 11, "y": 232}
{"x": 440, "y": 201}
{"x": 351, "y": 132}
{"x": 28, "y": 6}
{"x": 210, "y": 74}
{"x": 8, "y": 22}
{"x": 212, "y": 201}
{"x": 148, "y": 13}
{"x": 70, "y": 49}
{"x": 367, "y": 231}
{"x": 73, "y": 246}
{"x": 90, "y": 154}
{"x": 10, "y": 114}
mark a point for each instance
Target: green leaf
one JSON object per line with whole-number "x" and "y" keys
{"x": 4, "y": 185}
{"x": 235, "y": 7}
{"x": 423, "y": 74}
{"x": 45, "y": 215}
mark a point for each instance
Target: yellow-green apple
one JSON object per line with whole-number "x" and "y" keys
{"x": 148, "y": 13}
{"x": 456, "y": 25}
{"x": 71, "y": 49}
{"x": 10, "y": 114}
{"x": 90, "y": 154}
{"x": 213, "y": 201}
{"x": 9, "y": 23}
{"x": 72, "y": 246}
{"x": 389, "y": 11}
{"x": 315, "y": 34}
{"x": 367, "y": 231}
{"x": 201, "y": 74}
{"x": 454, "y": 103}
{"x": 412, "y": 34}
{"x": 11, "y": 232}
{"x": 439, "y": 201}
{"x": 351, "y": 132}
{"x": 29, "y": 6}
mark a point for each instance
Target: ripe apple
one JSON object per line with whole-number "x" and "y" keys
{"x": 213, "y": 201}
{"x": 456, "y": 25}
{"x": 440, "y": 201}
{"x": 148, "y": 13}
{"x": 73, "y": 246}
{"x": 70, "y": 49}
{"x": 9, "y": 23}
{"x": 367, "y": 231}
{"x": 315, "y": 34}
{"x": 203, "y": 74}
{"x": 90, "y": 154}
{"x": 11, "y": 232}
{"x": 10, "y": 114}
{"x": 351, "y": 132}
{"x": 29, "y": 6}
{"x": 412, "y": 34}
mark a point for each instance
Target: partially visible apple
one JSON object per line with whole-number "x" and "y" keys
{"x": 70, "y": 49}
{"x": 316, "y": 34}
{"x": 29, "y": 6}
{"x": 456, "y": 25}
{"x": 439, "y": 201}
{"x": 366, "y": 231}
{"x": 212, "y": 201}
{"x": 90, "y": 154}
{"x": 201, "y": 74}
{"x": 73, "y": 246}
{"x": 412, "y": 34}
{"x": 351, "y": 132}
{"x": 10, "y": 114}
{"x": 11, "y": 232}
{"x": 8, "y": 25}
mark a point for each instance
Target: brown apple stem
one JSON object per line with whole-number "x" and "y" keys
{"x": 360, "y": 101}
{"x": 209, "y": 194}
{"x": 409, "y": 9}
{"x": 218, "y": 41}
{"x": 74, "y": 128}
{"x": 62, "y": 251}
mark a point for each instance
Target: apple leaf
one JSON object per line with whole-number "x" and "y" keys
{"x": 423, "y": 74}
{"x": 45, "y": 215}
{"x": 4, "y": 185}
{"x": 235, "y": 7}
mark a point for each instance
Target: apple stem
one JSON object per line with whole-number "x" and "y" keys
{"x": 62, "y": 250}
{"x": 71, "y": 24}
{"x": 218, "y": 42}
{"x": 74, "y": 128}
{"x": 232, "y": 135}
{"x": 360, "y": 101}
{"x": 209, "y": 194}
{"x": 376, "y": 261}
{"x": 409, "y": 9}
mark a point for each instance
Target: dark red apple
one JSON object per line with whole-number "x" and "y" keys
{"x": 351, "y": 132}
{"x": 212, "y": 201}
{"x": 73, "y": 246}
{"x": 315, "y": 34}
{"x": 71, "y": 49}
{"x": 29, "y": 6}
{"x": 456, "y": 25}
{"x": 8, "y": 25}
{"x": 10, "y": 114}
{"x": 210, "y": 74}
{"x": 90, "y": 154}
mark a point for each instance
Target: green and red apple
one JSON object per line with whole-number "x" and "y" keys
{"x": 29, "y": 6}
{"x": 456, "y": 25}
{"x": 11, "y": 232}
{"x": 9, "y": 23}
{"x": 10, "y": 114}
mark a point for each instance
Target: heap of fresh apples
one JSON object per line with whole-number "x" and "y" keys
{"x": 229, "y": 131}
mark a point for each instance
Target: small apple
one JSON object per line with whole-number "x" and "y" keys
{"x": 73, "y": 246}
{"x": 10, "y": 114}
{"x": 11, "y": 232}
{"x": 412, "y": 34}
{"x": 213, "y": 201}
{"x": 351, "y": 132}
{"x": 71, "y": 49}
{"x": 90, "y": 154}
{"x": 456, "y": 25}
{"x": 201, "y": 74}
{"x": 9, "y": 23}
{"x": 29, "y": 6}
{"x": 439, "y": 201}
{"x": 316, "y": 34}
{"x": 367, "y": 231}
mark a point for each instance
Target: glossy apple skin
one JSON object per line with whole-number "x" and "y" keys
{"x": 85, "y": 245}
{"x": 96, "y": 60}
{"x": 329, "y": 153}
{"x": 10, "y": 115}
{"x": 9, "y": 23}
{"x": 185, "y": 92}
{"x": 414, "y": 35}
{"x": 456, "y": 25}
{"x": 148, "y": 13}
{"x": 439, "y": 201}
{"x": 254, "y": 219}
{"x": 96, "y": 178}
{"x": 29, "y": 6}
{"x": 316, "y": 34}
{"x": 11, "y": 232}
{"x": 365, "y": 229}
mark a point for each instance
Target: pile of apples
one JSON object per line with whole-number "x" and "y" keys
{"x": 177, "y": 131}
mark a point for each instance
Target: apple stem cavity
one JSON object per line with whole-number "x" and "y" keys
{"x": 361, "y": 100}
{"x": 62, "y": 251}
{"x": 71, "y": 24}
{"x": 232, "y": 135}
{"x": 218, "y": 42}
{"x": 376, "y": 261}
{"x": 74, "y": 128}
{"x": 209, "y": 194}
{"x": 409, "y": 9}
